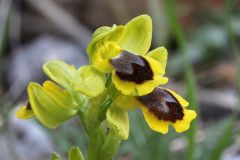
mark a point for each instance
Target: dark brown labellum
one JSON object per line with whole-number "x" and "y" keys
{"x": 131, "y": 67}
{"x": 163, "y": 105}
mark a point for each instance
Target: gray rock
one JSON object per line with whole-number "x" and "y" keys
{"x": 25, "y": 140}
{"x": 26, "y": 62}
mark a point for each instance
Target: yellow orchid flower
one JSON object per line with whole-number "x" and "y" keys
{"x": 123, "y": 51}
{"x": 161, "y": 108}
{"x": 49, "y": 103}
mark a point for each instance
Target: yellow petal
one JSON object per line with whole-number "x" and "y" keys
{"x": 148, "y": 87}
{"x": 103, "y": 53}
{"x": 160, "y": 55}
{"x": 183, "y": 125}
{"x": 24, "y": 113}
{"x": 154, "y": 123}
{"x": 104, "y": 34}
{"x": 127, "y": 88}
{"x": 47, "y": 106}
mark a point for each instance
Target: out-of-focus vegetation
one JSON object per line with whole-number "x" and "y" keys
{"x": 202, "y": 38}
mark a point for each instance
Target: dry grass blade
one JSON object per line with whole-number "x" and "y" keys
{"x": 63, "y": 20}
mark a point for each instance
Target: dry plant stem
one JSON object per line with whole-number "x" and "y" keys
{"x": 234, "y": 47}
{"x": 63, "y": 20}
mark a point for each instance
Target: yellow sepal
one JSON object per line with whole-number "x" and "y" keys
{"x": 160, "y": 55}
{"x": 50, "y": 104}
{"x": 89, "y": 81}
{"x": 60, "y": 72}
{"x": 24, "y": 113}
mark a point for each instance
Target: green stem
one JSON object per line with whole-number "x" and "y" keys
{"x": 84, "y": 122}
{"x": 95, "y": 134}
{"x": 102, "y": 146}
{"x": 96, "y": 141}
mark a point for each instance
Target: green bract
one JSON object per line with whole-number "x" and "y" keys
{"x": 118, "y": 120}
{"x": 55, "y": 156}
{"x": 74, "y": 153}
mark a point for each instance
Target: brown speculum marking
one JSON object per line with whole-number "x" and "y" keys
{"x": 28, "y": 107}
{"x": 131, "y": 67}
{"x": 163, "y": 105}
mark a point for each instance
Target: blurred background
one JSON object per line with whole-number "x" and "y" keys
{"x": 202, "y": 38}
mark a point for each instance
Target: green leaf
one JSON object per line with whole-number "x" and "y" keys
{"x": 75, "y": 154}
{"x": 60, "y": 72}
{"x": 51, "y": 105}
{"x": 137, "y": 35}
{"x": 89, "y": 81}
{"x": 224, "y": 140}
{"x": 55, "y": 156}
{"x": 118, "y": 120}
